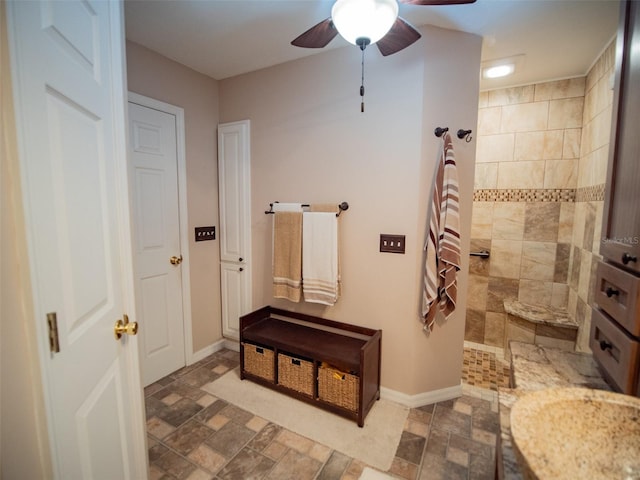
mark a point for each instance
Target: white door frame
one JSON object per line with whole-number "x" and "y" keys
{"x": 182, "y": 209}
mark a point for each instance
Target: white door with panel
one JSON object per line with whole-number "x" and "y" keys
{"x": 68, "y": 72}
{"x": 234, "y": 167}
{"x": 156, "y": 240}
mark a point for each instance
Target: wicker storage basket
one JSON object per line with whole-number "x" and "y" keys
{"x": 258, "y": 361}
{"x": 295, "y": 373}
{"x": 338, "y": 388}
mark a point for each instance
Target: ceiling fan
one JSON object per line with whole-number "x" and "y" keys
{"x": 365, "y": 22}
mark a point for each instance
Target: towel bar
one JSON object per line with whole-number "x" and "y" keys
{"x": 481, "y": 254}
{"x": 341, "y": 208}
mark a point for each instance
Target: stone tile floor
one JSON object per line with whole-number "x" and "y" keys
{"x": 192, "y": 435}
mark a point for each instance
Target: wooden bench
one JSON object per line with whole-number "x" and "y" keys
{"x": 329, "y": 364}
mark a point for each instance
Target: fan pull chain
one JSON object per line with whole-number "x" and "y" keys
{"x": 362, "y": 85}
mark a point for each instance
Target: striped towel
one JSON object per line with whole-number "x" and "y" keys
{"x": 443, "y": 244}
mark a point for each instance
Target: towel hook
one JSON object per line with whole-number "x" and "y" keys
{"x": 439, "y": 131}
{"x": 466, "y": 134}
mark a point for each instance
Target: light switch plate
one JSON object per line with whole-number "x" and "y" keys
{"x": 391, "y": 243}
{"x": 205, "y": 233}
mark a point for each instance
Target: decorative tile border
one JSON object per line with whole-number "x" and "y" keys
{"x": 525, "y": 195}
{"x": 594, "y": 193}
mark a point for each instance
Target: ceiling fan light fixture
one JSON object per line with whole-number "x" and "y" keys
{"x": 370, "y": 19}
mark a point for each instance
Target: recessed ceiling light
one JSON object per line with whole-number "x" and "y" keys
{"x": 498, "y": 71}
{"x": 501, "y": 67}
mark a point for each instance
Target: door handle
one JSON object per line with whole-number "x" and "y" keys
{"x": 124, "y": 327}
{"x": 175, "y": 260}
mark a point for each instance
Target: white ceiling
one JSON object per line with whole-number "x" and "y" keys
{"x": 224, "y": 38}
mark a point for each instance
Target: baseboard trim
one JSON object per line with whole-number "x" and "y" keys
{"x": 206, "y": 351}
{"x": 213, "y": 348}
{"x": 425, "y": 398}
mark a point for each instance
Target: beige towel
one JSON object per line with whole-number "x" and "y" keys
{"x": 443, "y": 244}
{"x": 287, "y": 255}
{"x": 324, "y": 207}
{"x": 320, "y": 257}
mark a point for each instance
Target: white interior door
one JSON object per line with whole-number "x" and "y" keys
{"x": 68, "y": 73}
{"x": 156, "y": 224}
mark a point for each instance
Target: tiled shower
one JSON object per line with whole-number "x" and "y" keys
{"x": 541, "y": 166}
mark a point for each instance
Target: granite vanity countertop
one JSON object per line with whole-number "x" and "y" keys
{"x": 534, "y": 367}
{"x": 540, "y": 314}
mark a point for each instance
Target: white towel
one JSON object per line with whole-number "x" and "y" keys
{"x": 320, "y": 257}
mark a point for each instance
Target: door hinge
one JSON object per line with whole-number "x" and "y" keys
{"x": 52, "y": 322}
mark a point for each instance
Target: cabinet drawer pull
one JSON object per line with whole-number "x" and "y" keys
{"x": 604, "y": 345}
{"x": 626, "y": 258}
{"x": 295, "y": 361}
{"x": 260, "y": 350}
{"x": 611, "y": 292}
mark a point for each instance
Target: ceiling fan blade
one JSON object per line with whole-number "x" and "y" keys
{"x": 436, "y": 2}
{"x": 317, "y": 36}
{"x": 400, "y": 36}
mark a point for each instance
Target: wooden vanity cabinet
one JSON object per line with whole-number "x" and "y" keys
{"x": 615, "y": 325}
{"x": 621, "y": 226}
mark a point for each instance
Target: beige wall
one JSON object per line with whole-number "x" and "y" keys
{"x": 310, "y": 143}
{"x": 155, "y": 76}
{"x": 24, "y": 446}
{"x": 539, "y": 185}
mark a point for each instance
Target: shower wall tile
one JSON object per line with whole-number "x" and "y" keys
{"x": 578, "y": 225}
{"x": 589, "y": 225}
{"x": 541, "y": 221}
{"x": 486, "y": 176}
{"x": 576, "y": 262}
{"x": 529, "y": 146}
{"x": 482, "y": 220}
{"x": 561, "y": 268}
{"x": 495, "y": 148}
{"x": 477, "y": 265}
{"x": 560, "y": 295}
{"x": 572, "y": 87}
{"x": 474, "y": 326}
{"x": 571, "y": 143}
{"x": 565, "y": 222}
{"x": 553, "y": 144}
{"x": 508, "y": 221}
{"x": 521, "y": 175}
{"x": 511, "y": 96}
{"x": 506, "y": 258}
{"x": 477, "y": 292}
{"x": 538, "y": 261}
{"x": 489, "y": 120}
{"x": 501, "y": 289}
{"x": 560, "y": 173}
{"x": 584, "y": 277}
{"x": 535, "y": 292}
{"x": 566, "y": 113}
{"x": 526, "y": 117}
{"x": 494, "y": 326}
{"x": 597, "y": 231}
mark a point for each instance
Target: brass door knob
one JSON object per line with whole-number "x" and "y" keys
{"x": 124, "y": 327}
{"x": 176, "y": 260}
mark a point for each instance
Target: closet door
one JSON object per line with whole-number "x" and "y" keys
{"x": 235, "y": 223}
